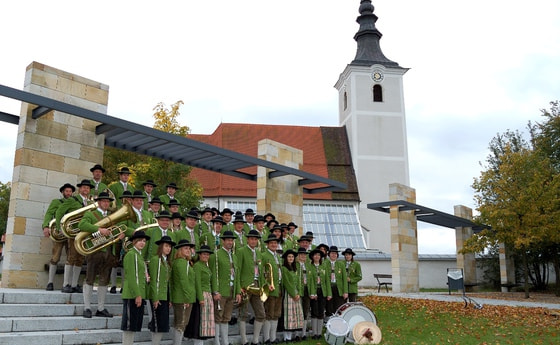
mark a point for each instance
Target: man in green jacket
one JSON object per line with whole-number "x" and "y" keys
{"x": 339, "y": 283}
{"x": 271, "y": 260}
{"x": 118, "y": 187}
{"x": 98, "y": 186}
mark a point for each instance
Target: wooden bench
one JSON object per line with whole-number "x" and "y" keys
{"x": 384, "y": 282}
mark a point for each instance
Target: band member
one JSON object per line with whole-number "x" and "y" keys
{"x": 273, "y": 304}
{"x": 320, "y": 291}
{"x": 287, "y": 240}
{"x": 322, "y": 247}
{"x": 173, "y": 206}
{"x": 205, "y": 224}
{"x": 238, "y": 231}
{"x": 201, "y": 324}
{"x": 97, "y": 172}
{"x": 118, "y": 187}
{"x": 277, "y": 232}
{"x": 177, "y": 223}
{"x": 292, "y": 231}
{"x": 305, "y": 243}
{"x": 189, "y": 232}
{"x": 303, "y": 274}
{"x": 259, "y": 226}
{"x": 212, "y": 238}
{"x": 159, "y": 270}
{"x": 293, "y": 314}
{"x": 339, "y": 283}
{"x": 183, "y": 289}
{"x": 171, "y": 189}
{"x": 154, "y": 206}
{"x": 66, "y": 190}
{"x": 226, "y": 215}
{"x": 74, "y": 260}
{"x": 353, "y": 274}
{"x": 149, "y": 186}
{"x": 99, "y": 263}
{"x": 125, "y": 198}
{"x": 157, "y": 232}
{"x": 251, "y": 275}
{"x": 134, "y": 288}
{"x": 225, "y": 286}
{"x": 249, "y": 220}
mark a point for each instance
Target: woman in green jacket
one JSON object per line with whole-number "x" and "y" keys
{"x": 293, "y": 312}
{"x": 134, "y": 288}
{"x": 183, "y": 289}
{"x": 353, "y": 274}
{"x": 159, "y": 269}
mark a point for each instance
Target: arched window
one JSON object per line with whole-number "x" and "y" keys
{"x": 345, "y": 100}
{"x": 377, "y": 93}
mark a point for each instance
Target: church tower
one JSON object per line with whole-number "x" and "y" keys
{"x": 371, "y": 107}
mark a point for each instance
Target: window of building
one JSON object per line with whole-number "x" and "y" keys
{"x": 377, "y": 93}
{"x": 345, "y": 100}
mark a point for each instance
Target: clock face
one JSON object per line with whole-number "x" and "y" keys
{"x": 377, "y": 76}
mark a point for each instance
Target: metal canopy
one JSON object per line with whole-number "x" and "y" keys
{"x": 133, "y": 137}
{"x": 428, "y": 215}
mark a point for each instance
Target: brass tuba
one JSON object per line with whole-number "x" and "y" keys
{"x": 87, "y": 243}
{"x": 69, "y": 222}
{"x": 128, "y": 244}
{"x": 55, "y": 234}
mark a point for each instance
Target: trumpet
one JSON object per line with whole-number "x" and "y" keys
{"x": 87, "y": 243}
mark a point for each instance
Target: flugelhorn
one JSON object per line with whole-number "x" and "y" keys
{"x": 87, "y": 243}
{"x": 269, "y": 277}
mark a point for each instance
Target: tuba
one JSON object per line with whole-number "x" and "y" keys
{"x": 69, "y": 222}
{"x": 55, "y": 234}
{"x": 128, "y": 244}
{"x": 87, "y": 243}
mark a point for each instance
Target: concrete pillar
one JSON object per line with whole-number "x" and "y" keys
{"x": 50, "y": 151}
{"x": 465, "y": 261}
{"x": 281, "y": 195}
{"x": 507, "y": 268}
{"x": 404, "y": 241}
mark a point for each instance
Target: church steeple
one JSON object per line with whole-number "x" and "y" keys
{"x": 369, "y": 52}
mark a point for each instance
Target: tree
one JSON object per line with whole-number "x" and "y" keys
{"x": 5, "y": 190}
{"x": 159, "y": 170}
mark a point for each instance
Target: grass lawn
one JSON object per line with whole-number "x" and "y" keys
{"x": 412, "y": 321}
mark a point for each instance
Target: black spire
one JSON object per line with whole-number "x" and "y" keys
{"x": 369, "y": 52}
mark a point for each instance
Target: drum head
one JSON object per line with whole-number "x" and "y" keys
{"x": 366, "y": 332}
{"x": 354, "y": 314}
{"x": 337, "y": 326}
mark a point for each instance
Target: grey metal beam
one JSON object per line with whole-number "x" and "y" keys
{"x": 39, "y": 111}
{"x": 5, "y": 117}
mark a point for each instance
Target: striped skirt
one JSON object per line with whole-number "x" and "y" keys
{"x": 201, "y": 323}
{"x": 293, "y": 314}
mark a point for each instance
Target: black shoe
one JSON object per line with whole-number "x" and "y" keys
{"x": 50, "y": 287}
{"x": 113, "y": 289}
{"x": 232, "y": 321}
{"x": 67, "y": 289}
{"x": 77, "y": 289}
{"x": 304, "y": 338}
{"x": 297, "y": 338}
{"x": 252, "y": 321}
{"x": 103, "y": 313}
{"x": 267, "y": 342}
{"x": 120, "y": 290}
{"x": 87, "y": 313}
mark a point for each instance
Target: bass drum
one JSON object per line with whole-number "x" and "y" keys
{"x": 353, "y": 313}
{"x": 337, "y": 329}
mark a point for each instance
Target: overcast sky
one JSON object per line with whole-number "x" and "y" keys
{"x": 477, "y": 68}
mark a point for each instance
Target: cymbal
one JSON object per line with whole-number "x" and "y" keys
{"x": 366, "y": 332}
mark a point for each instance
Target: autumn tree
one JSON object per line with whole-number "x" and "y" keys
{"x": 5, "y": 190}
{"x": 159, "y": 170}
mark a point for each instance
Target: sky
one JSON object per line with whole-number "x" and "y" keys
{"x": 477, "y": 69}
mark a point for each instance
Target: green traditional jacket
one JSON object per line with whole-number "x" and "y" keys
{"x": 147, "y": 218}
{"x": 268, "y": 258}
{"x": 51, "y": 211}
{"x": 87, "y": 224}
{"x": 319, "y": 275}
{"x": 166, "y": 199}
{"x": 118, "y": 189}
{"x": 185, "y": 234}
{"x": 183, "y": 282}
{"x": 305, "y": 279}
{"x": 247, "y": 266}
{"x": 290, "y": 282}
{"x": 100, "y": 188}
{"x": 146, "y": 201}
{"x": 354, "y": 272}
{"x": 240, "y": 240}
{"x": 203, "y": 276}
{"x": 71, "y": 204}
{"x": 159, "y": 270}
{"x": 134, "y": 275}
{"x": 339, "y": 274}
{"x": 225, "y": 273}
{"x": 202, "y": 227}
{"x": 211, "y": 240}
{"x": 155, "y": 234}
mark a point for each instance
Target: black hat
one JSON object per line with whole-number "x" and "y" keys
{"x": 183, "y": 243}
{"x": 227, "y": 234}
{"x": 176, "y": 215}
{"x": 271, "y": 237}
{"x": 207, "y": 209}
{"x": 139, "y": 234}
{"x": 292, "y": 224}
{"x": 218, "y": 219}
{"x": 166, "y": 239}
{"x": 138, "y": 194}
{"x": 270, "y": 215}
{"x": 304, "y": 238}
{"x": 302, "y": 250}
{"x": 172, "y": 185}
{"x": 173, "y": 202}
{"x": 309, "y": 234}
{"x": 86, "y": 183}
{"x": 315, "y": 251}
{"x": 258, "y": 218}
{"x": 249, "y": 211}
{"x": 322, "y": 245}
{"x": 192, "y": 214}
{"x": 204, "y": 249}
{"x": 215, "y": 210}
{"x": 226, "y": 210}
{"x": 287, "y": 252}
{"x": 270, "y": 222}
{"x": 155, "y": 200}
{"x": 164, "y": 214}
{"x": 149, "y": 182}
{"x": 239, "y": 219}
{"x": 253, "y": 233}
{"x": 67, "y": 185}
{"x": 124, "y": 170}
{"x": 333, "y": 249}
{"x": 104, "y": 196}
{"x": 97, "y": 167}
{"x": 126, "y": 194}
{"x": 276, "y": 227}
{"x": 348, "y": 251}
{"x": 195, "y": 209}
